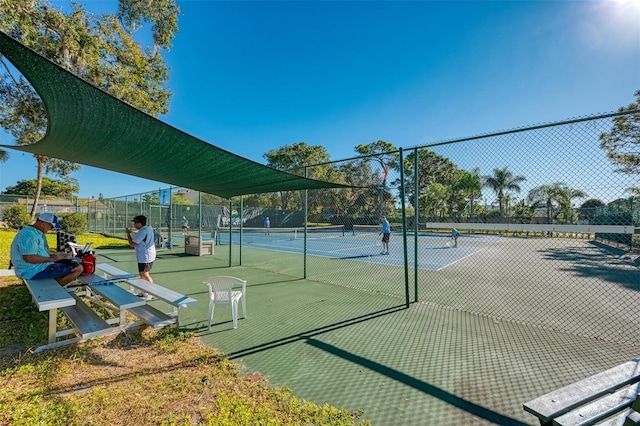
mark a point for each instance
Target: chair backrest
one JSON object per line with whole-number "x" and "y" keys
{"x": 220, "y": 287}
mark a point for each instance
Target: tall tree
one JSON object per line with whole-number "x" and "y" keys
{"x": 565, "y": 202}
{"x": 432, "y": 168}
{"x": 559, "y": 195}
{"x": 294, "y": 158}
{"x": 503, "y": 180}
{"x": 587, "y": 210}
{"x": 468, "y": 185}
{"x": 622, "y": 142}
{"x": 546, "y": 194}
{"x": 436, "y": 199}
{"x": 98, "y": 48}
{"x": 50, "y": 187}
{"x": 383, "y": 154}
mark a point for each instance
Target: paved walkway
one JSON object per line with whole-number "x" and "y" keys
{"x": 365, "y": 351}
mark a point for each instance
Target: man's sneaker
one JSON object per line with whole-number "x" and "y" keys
{"x": 383, "y": 252}
{"x": 72, "y": 285}
{"x": 386, "y": 252}
{"x": 145, "y": 296}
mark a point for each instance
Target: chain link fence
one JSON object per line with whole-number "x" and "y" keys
{"x": 547, "y": 228}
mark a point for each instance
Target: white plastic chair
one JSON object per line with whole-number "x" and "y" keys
{"x": 221, "y": 293}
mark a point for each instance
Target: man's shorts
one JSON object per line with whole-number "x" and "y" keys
{"x": 55, "y": 270}
{"x": 385, "y": 237}
{"x": 145, "y": 267}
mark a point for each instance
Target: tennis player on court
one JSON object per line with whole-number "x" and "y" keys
{"x": 454, "y": 236}
{"x": 386, "y": 233}
{"x": 267, "y": 225}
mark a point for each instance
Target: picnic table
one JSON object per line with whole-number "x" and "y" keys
{"x": 171, "y": 297}
{"x": 105, "y": 291}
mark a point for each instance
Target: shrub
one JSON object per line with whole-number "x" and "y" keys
{"x": 16, "y": 216}
{"x": 74, "y": 223}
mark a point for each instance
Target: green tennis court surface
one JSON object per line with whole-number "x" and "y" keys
{"x": 435, "y": 251}
{"x": 346, "y": 338}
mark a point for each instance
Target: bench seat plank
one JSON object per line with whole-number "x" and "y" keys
{"x": 171, "y": 297}
{"x": 48, "y": 294}
{"x": 113, "y": 271}
{"x": 600, "y": 408}
{"x": 152, "y": 316}
{"x": 118, "y": 296}
{"x": 97, "y": 279}
{"x": 563, "y": 400}
{"x": 84, "y": 319}
{"x": 617, "y": 420}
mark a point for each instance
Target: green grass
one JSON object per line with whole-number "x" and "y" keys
{"x": 141, "y": 376}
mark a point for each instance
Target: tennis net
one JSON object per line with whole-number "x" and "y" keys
{"x": 373, "y": 229}
{"x": 271, "y": 234}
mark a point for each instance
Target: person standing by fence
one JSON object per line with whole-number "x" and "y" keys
{"x": 144, "y": 243}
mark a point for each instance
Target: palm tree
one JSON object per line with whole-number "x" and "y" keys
{"x": 437, "y": 195}
{"x": 546, "y": 194}
{"x": 564, "y": 198}
{"x": 502, "y": 180}
{"x": 558, "y": 193}
{"x": 470, "y": 184}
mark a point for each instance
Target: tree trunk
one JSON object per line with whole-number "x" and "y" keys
{"x": 36, "y": 198}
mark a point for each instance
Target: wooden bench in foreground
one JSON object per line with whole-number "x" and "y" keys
{"x": 169, "y": 296}
{"x": 608, "y": 397}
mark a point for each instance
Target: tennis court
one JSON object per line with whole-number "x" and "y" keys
{"x": 471, "y": 352}
{"x": 361, "y": 244}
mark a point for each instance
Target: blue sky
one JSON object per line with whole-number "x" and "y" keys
{"x": 254, "y": 76}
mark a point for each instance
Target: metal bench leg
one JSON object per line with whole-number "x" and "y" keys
{"x": 53, "y": 324}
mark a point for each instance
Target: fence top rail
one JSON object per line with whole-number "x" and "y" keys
{"x": 520, "y": 227}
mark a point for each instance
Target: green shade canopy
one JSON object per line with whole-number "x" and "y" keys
{"x": 89, "y": 126}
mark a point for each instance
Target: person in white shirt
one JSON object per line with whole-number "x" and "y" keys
{"x": 144, "y": 243}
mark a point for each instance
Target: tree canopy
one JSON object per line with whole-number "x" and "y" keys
{"x": 50, "y": 187}
{"x": 503, "y": 180}
{"x": 101, "y": 49}
{"x": 622, "y": 142}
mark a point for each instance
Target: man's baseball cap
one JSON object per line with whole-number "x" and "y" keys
{"x": 50, "y": 218}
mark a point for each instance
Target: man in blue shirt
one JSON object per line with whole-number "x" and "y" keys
{"x": 31, "y": 257}
{"x": 267, "y": 225}
{"x": 454, "y": 236}
{"x": 386, "y": 234}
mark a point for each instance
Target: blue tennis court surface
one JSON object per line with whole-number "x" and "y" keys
{"x": 435, "y": 251}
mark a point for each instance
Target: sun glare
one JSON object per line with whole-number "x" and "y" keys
{"x": 612, "y": 24}
{"x": 633, "y": 5}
